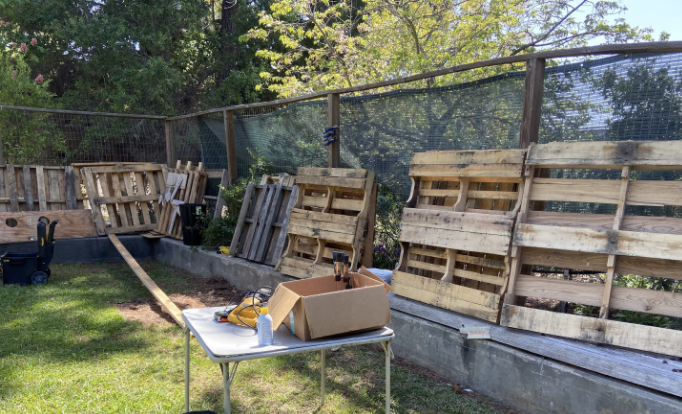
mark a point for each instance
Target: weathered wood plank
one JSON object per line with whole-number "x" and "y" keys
{"x": 476, "y": 303}
{"x": 459, "y": 221}
{"x": 12, "y": 180}
{"x": 556, "y": 289}
{"x": 583, "y": 191}
{"x": 486, "y": 243}
{"x": 503, "y": 157}
{"x": 622, "y": 243}
{"x": 70, "y": 189}
{"x": 489, "y": 171}
{"x": 28, "y": 188}
{"x": 607, "y": 154}
{"x": 644, "y": 338}
{"x": 357, "y": 183}
{"x": 72, "y": 224}
{"x": 329, "y": 172}
{"x": 42, "y": 190}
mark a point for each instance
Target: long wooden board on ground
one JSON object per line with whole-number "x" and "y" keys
{"x": 125, "y": 198}
{"x": 331, "y": 213}
{"x": 165, "y": 301}
{"x": 186, "y": 184}
{"x": 457, "y": 229}
{"x": 39, "y": 188}
{"x": 260, "y": 234}
{"x": 22, "y": 226}
{"x": 623, "y": 239}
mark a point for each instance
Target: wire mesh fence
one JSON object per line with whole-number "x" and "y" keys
{"x": 54, "y": 138}
{"x": 628, "y": 97}
{"x": 201, "y": 139}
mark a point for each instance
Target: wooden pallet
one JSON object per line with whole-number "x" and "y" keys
{"x": 260, "y": 235}
{"x": 331, "y": 213}
{"x": 625, "y": 242}
{"x": 49, "y": 188}
{"x": 191, "y": 187}
{"x": 127, "y": 195}
{"x": 21, "y": 226}
{"x": 457, "y": 228}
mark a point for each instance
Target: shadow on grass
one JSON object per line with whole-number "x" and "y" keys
{"x": 70, "y": 319}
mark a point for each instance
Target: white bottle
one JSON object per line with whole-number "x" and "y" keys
{"x": 264, "y": 326}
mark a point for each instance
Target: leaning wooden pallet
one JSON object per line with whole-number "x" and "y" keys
{"x": 39, "y": 188}
{"x": 330, "y": 214}
{"x": 260, "y": 235}
{"x": 128, "y": 195}
{"x": 623, "y": 239}
{"x": 457, "y": 228}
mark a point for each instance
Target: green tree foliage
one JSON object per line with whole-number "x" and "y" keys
{"x": 24, "y": 138}
{"x": 143, "y": 56}
{"x": 341, "y": 43}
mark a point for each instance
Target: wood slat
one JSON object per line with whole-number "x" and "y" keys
{"x": 474, "y": 171}
{"x": 645, "y": 154}
{"x": 476, "y": 303}
{"x": 493, "y": 244}
{"x": 583, "y": 191}
{"x": 644, "y": 338}
{"x": 459, "y": 222}
{"x": 462, "y": 158}
{"x": 416, "y": 264}
{"x": 622, "y": 243}
{"x": 563, "y": 290}
{"x": 480, "y": 277}
{"x": 357, "y": 183}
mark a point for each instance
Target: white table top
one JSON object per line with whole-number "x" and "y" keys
{"x": 227, "y": 342}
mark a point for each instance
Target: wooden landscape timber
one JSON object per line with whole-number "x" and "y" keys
{"x": 21, "y": 226}
{"x": 185, "y": 184}
{"x": 627, "y": 241}
{"x": 39, "y": 188}
{"x": 127, "y": 194}
{"x": 163, "y": 299}
{"x": 333, "y": 211}
{"x": 457, "y": 229}
{"x": 260, "y": 235}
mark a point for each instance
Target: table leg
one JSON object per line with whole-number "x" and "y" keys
{"x": 323, "y": 374}
{"x": 387, "y": 350}
{"x": 226, "y": 384}
{"x": 187, "y": 369}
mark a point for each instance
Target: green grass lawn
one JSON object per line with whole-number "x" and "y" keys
{"x": 66, "y": 348}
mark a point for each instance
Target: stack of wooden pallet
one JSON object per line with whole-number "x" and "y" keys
{"x": 456, "y": 229}
{"x": 186, "y": 184}
{"x": 333, "y": 211}
{"x": 627, "y": 240}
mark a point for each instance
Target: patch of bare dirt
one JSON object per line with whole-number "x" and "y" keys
{"x": 205, "y": 293}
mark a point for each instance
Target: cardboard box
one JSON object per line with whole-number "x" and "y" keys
{"x": 320, "y": 307}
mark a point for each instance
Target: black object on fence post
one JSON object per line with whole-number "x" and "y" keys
{"x": 170, "y": 143}
{"x": 334, "y": 120}
{"x": 230, "y": 146}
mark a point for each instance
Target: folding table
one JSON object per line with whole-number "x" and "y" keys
{"x": 226, "y": 342}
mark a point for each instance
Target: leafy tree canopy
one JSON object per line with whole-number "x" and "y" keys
{"x": 341, "y": 43}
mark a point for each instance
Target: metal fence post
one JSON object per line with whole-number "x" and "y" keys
{"x": 230, "y": 146}
{"x": 532, "y": 102}
{"x": 170, "y": 144}
{"x": 334, "y": 119}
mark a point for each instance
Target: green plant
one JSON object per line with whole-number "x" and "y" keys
{"x": 387, "y": 228}
{"x": 220, "y": 230}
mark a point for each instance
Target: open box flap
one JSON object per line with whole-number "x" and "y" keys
{"x": 366, "y": 272}
{"x": 280, "y": 304}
